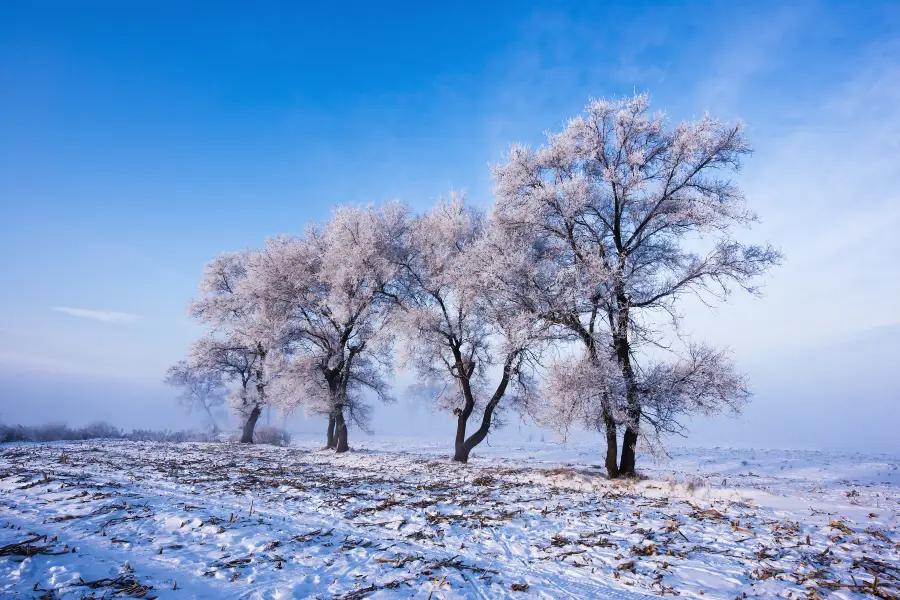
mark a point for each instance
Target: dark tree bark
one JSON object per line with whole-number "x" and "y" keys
{"x": 340, "y": 431}
{"x": 609, "y": 422}
{"x": 465, "y": 448}
{"x": 250, "y": 425}
{"x": 632, "y": 429}
{"x": 461, "y": 452}
{"x": 622, "y": 348}
{"x": 463, "y": 375}
{"x": 332, "y": 443}
{"x": 462, "y": 417}
{"x": 337, "y": 425}
{"x": 612, "y": 469}
{"x": 629, "y": 442}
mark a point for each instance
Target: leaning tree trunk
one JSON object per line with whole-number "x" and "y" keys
{"x": 460, "y": 453}
{"x": 250, "y": 425}
{"x": 340, "y": 431}
{"x": 463, "y": 450}
{"x": 332, "y": 443}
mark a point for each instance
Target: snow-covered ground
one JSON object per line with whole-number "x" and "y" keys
{"x": 396, "y": 519}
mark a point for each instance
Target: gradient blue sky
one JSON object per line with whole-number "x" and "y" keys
{"x": 137, "y": 140}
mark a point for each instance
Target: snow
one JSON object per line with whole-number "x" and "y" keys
{"x": 397, "y": 519}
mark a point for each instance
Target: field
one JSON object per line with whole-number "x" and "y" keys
{"x": 396, "y": 519}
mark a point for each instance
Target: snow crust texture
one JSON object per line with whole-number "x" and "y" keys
{"x": 130, "y": 519}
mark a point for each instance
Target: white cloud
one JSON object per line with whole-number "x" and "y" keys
{"x": 106, "y": 316}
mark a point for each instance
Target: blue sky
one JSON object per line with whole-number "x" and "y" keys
{"x": 137, "y": 141}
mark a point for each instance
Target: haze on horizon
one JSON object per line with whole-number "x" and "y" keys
{"x": 138, "y": 143}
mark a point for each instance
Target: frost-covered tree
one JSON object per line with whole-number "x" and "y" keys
{"x": 453, "y": 330}
{"x": 580, "y": 391}
{"x": 201, "y": 389}
{"x": 334, "y": 288}
{"x": 237, "y": 364}
{"x": 612, "y": 222}
{"x": 246, "y": 335}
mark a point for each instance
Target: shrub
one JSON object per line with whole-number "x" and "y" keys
{"x": 53, "y": 432}
{"x": 148, "y": 435}
{"x": 99, "y": 430}
{"x": 272, "y": 435}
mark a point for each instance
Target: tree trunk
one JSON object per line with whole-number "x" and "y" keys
{"x": 250, "y": 425}
{"x": 463, "y": 450}
{"x": 612, "y": 470}
{"x": 460, "y": 454}
{"x": 609, "y": 422}
{"x": 629, "y": 442}
{"x": 212, "y": 419}
{"x": 331, "y": 441}
{"x": 337, "y": 427}
{"x": 632, "y": 428}
{"x": 623, "y": 355}
{"x": 340, "y": 431}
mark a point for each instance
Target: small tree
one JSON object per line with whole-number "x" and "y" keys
{"x": 621, "y": 218}
{"x": 454, "y": 331}
{"x": 200, "y": 389}
{"x": 236, "y": 364}
{"x": 246, "y": 333}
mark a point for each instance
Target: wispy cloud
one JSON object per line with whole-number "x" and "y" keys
{"x": 106, "y": 316}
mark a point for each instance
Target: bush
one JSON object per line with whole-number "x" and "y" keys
{"x": 271, "y": 435}
{"x": 12, "y": 433}
{"x": 148, "y": 435}
{"x": 99, "y": 430}
{"x": 54, "y": 432}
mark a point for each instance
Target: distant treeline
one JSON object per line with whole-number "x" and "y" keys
{"x": 54, "y": 432}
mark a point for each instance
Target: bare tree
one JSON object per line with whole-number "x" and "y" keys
{"x": 454, "y": 331}
{"x": 201, "y": 389}
{"x": 621, "y": 218}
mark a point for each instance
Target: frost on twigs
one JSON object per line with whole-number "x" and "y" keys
{"x": 560, "y": 302}
{"x": 336, "y": 287}
{"x": 456, "y": 332}
{"x": 601, "y": 232}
